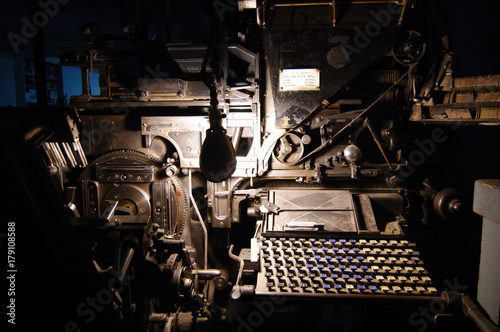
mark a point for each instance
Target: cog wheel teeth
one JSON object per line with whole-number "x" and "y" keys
{"x": 185, "y": 204}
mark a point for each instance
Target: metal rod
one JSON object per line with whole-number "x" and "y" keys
{"x": 238, "y": 259}
{"x": 237, "y": 137}
{"x": 129, "y": 254}
{"x": 375, "y": 138}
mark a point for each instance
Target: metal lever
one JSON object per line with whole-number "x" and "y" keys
{"x": 109, "y": 212}
{"x": 207, "y": 273}
{"x": 240, "y": 290}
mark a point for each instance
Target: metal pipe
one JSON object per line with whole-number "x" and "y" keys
{"x": 129, "y": 254}
{"x": 203, "y": 226}
{"x": 472, "y": 312}
{"x": 237, "y": 137}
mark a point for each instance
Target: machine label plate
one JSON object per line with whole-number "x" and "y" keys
{"x": 299, "y": 79}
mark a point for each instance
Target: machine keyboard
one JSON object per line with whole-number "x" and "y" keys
{"x": 302, "y": 266}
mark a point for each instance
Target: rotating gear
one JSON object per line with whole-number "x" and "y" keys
{"x": 289, "y": 149}
{"x": 180, "y": 199}
{"x": 409, "y": 48}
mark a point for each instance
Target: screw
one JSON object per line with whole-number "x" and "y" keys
{"x": 220, "y": 283}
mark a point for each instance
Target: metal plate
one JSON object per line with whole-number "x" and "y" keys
{"x": 333, "y": 221}
{"x": 299, "y": 79}
{"x": 313, "y": 199}
{"x": 332, "y": 208}
{"x": 125, "y": 173}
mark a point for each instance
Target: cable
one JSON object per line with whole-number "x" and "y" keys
{"x": 207, "y": 54}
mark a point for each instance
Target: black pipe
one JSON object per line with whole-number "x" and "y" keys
{"x": 472, "y": 312}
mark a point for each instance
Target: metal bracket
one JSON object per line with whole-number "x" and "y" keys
{"x": 393, "y": 228}
{"x": 268, "y": 207}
